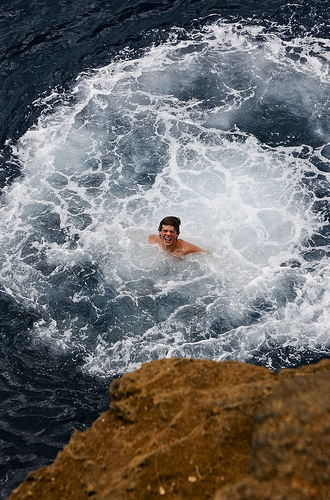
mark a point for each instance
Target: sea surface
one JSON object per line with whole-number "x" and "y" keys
{"x": 114, "y": 115}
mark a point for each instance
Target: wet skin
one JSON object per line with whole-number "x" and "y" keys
{"x": 168, "y": 240}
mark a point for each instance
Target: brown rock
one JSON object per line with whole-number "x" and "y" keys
{"x": 184, "y": 429}
{"x": 177, "y": 428}
{"x": 290, "y": 454}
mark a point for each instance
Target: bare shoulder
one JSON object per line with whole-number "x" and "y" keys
{"x": 153, "y": 238}
{"x": 190, "y": 248}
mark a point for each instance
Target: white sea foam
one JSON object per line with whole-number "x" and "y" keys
{"x": 157, "y": 135}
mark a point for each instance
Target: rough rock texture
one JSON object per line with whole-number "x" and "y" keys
{"x": 290, "y": 455}
{"x": 195, "y": 429}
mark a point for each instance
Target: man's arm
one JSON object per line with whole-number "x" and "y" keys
{"x": 190, "y": 248}
{"x": 153, "y": 238}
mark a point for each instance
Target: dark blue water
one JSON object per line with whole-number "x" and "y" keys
{"x": 112, "y": 115}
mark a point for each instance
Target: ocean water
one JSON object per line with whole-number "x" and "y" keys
{"x": 114, "y": 117}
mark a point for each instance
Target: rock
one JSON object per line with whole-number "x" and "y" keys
{"x": 196, "y": 429}
{"x": 290, "y": 453}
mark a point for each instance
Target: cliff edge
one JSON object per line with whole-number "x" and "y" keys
{"x": 199, "y": 429}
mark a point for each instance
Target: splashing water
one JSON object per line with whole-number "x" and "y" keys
{"x": 195, "y": 128}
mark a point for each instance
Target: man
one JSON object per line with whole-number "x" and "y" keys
{"x": 168, "y": 238}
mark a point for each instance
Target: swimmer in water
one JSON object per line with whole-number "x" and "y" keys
{"x": 168, "y": 238}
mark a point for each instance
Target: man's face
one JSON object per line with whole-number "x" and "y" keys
{"x": 168, "y": 235}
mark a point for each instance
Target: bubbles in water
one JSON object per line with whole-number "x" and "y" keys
{"x": 177, "y": 131}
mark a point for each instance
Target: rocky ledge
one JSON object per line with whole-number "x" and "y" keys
{"x": 195, "y": 429}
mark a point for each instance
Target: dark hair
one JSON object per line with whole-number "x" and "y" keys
{"x": 170, "y": 221}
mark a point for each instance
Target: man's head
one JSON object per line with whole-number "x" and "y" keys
{"x": 170, "y": 221}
